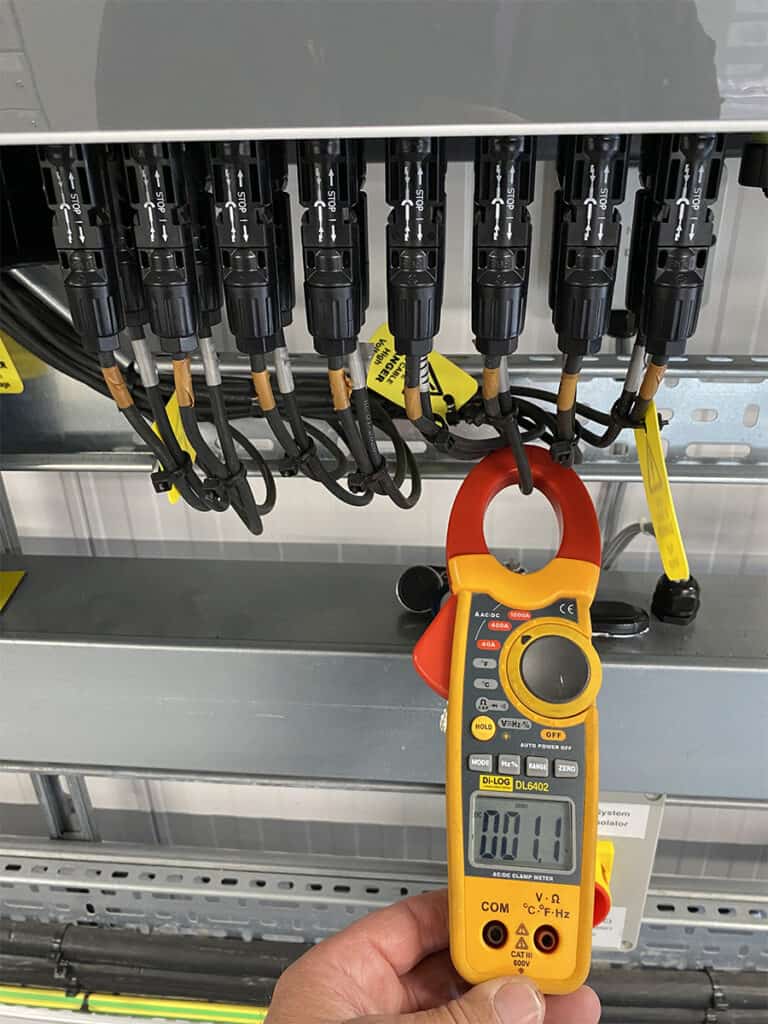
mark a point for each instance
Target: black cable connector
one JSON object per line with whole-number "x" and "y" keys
{"x": 501, "y": 258}
{"x": 162, "y": 219}
{"x": 77, "y": 189}
{"x": 672, "y": 236}
{"x": 592, "y": 170}
{"x": 334, "y": 241}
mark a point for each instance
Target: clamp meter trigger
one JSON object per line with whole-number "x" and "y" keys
{"x": 513, "y": 655}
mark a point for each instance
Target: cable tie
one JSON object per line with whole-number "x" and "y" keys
{"x": 359, "y": 483}
{"x": 563, "y": 452}
{"x": 164, "y": 479}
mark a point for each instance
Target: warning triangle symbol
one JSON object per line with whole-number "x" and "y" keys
{"x": 435, "y": 387}
{"x": 521, "y": 944}
{"x": 522, "y": 930}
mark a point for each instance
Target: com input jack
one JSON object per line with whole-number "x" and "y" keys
{"x": 546, "y": 939}
{"x": 495, "y": 934}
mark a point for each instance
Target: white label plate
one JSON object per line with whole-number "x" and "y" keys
{"x": 622, "y": 821}
{"x": 608, "y": 935}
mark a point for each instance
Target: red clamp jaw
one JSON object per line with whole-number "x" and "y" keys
{"x": 472, "y": 567}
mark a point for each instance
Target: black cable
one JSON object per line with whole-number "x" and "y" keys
{"x": 192, "y": 489}
{"x": 44, "y": 333}
{"x": 305, "y": 433}
{"x": 515, "y": 441}
{"x": 176, "y": 463}
{"x": 235, "y": 467}
{"x": 270, "y": 496}
{"x": 389, "y": 485}
{"x": 221, "y": 480}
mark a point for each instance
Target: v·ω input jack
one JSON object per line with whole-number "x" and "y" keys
{"x": 546, "y": 939}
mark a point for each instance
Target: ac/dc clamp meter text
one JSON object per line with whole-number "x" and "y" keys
{"x": 513, "y": 654}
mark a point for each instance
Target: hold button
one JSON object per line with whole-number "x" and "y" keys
{"x": 483, "y": 728}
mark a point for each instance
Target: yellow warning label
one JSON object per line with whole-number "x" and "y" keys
{"x": 8, "y": 582}
{"x": 449, "y": 386}
{"x": 10, "y": 380}
{"x": 174, "y": 418}
{"x": 499, "y": 783}
{"x": 658, "y": 494}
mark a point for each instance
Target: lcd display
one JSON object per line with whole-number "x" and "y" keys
{"x": 518, "y": 834}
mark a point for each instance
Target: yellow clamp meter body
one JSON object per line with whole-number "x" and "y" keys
{"x": 513, "y": 655}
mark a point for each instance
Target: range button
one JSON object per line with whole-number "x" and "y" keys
{"x": 537, "y": 767}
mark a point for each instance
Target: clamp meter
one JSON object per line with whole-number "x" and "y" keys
{"x": 513, "y": 655}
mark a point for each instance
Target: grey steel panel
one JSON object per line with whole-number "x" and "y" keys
{"x": 117, "y": 69}
{"x": 304, "y": 671}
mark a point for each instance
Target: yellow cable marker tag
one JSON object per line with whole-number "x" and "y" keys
{"x": 386, "y": 376}
{"x": 174, "y": 418}
{"x": 9, "y": 580}
{"x": 10, "y": 381}
{"x": 658, "y": 494}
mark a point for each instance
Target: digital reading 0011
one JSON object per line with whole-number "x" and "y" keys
{"x": 521, "y": 834}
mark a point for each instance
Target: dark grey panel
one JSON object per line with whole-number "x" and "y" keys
{"x": 249, "y": 66}
{"x": 287, "y": 670}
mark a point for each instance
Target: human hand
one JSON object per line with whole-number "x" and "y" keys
{"x": 393, "y": 967}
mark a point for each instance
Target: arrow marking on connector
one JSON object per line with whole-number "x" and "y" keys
{"x": 511, "y": 196}
{"x": 230, "y": 205}
{"x": 244, "y": 226}
{"x": 64, "y": 206}
{"x": 600, "y": 231}
{"x": 701, "y": 173}
{"x": 319, "y": 204}
{"x": 333, "y": 232}
{"x": 590, "y": 201}
{"x": 419, "y": 212}
{"x": 331, "y": 176}
{"x": 692, "y": 231}
{"x": 149, "y": 206}
{"x": 606, "y": 175}
{"x": 407, "y": 202}
{"x": 682, "y": 202}
{"x": 72, "y": 183}
{"x": 240, "y": 178}
{"x": 164, "y": 233}
{"x": 81, "y": 234}
{"x": 497, "y": 202}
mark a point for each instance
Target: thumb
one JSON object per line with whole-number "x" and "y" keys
{"x": 502, "y": 1001}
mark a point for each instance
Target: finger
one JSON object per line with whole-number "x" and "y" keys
{"x": 433, "y": 982}
{"x": 502, "y": 1001}
{"x": 583, "y": 1007}
{"x": 401, "y": 935}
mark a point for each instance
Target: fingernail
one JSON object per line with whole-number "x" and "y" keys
{"x": 517, "y": 1002}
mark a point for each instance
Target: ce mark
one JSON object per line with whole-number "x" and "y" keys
{"x": 568, "y": 608}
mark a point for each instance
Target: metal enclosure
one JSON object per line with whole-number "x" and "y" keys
{"x": 202, "y": 733}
